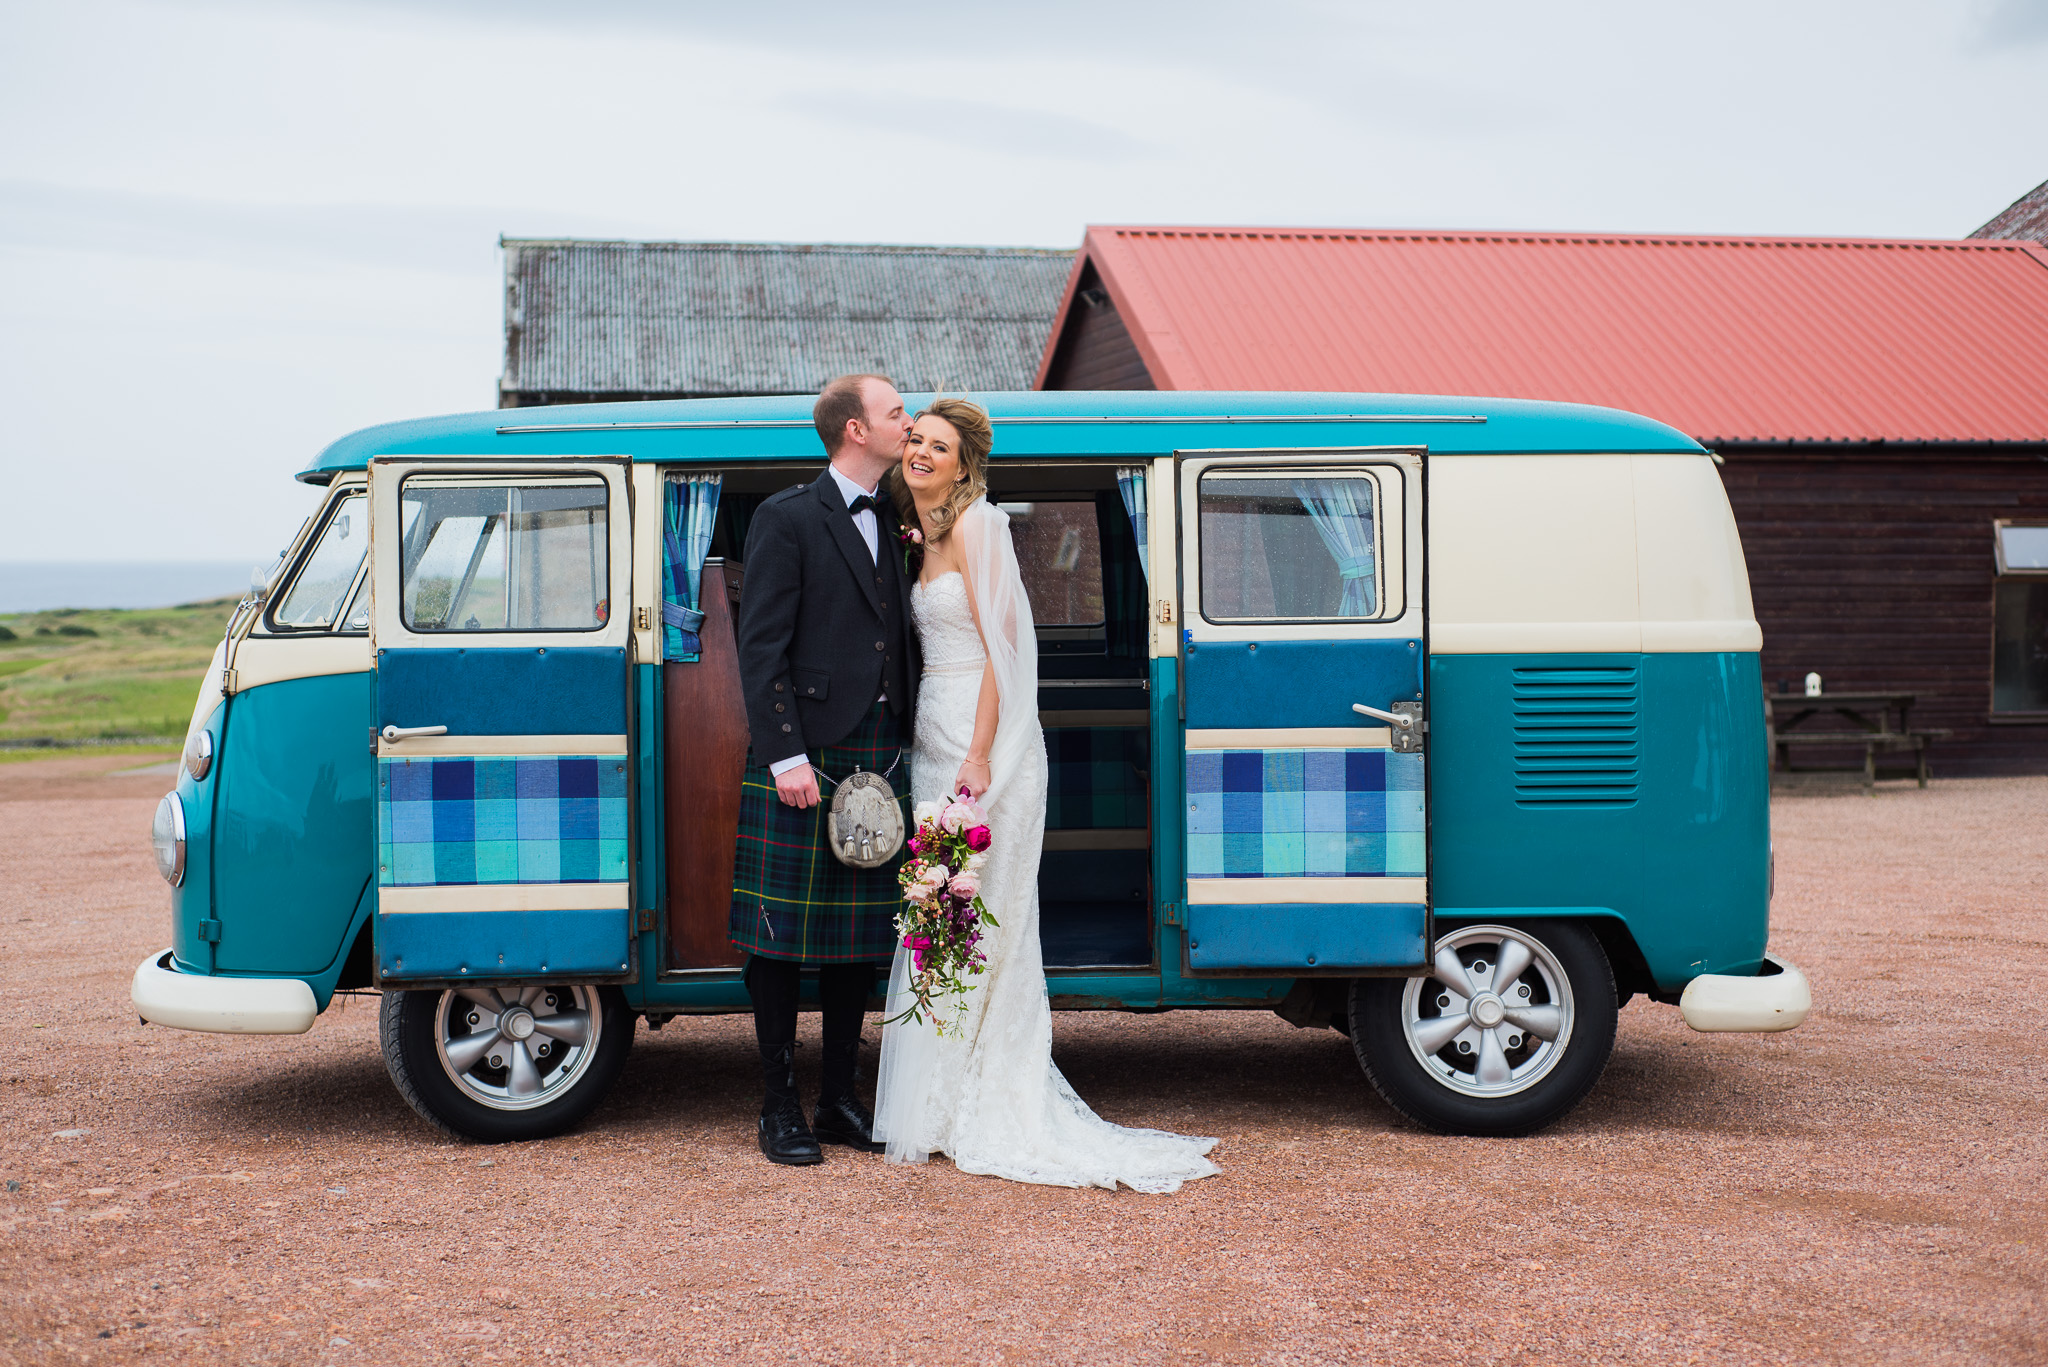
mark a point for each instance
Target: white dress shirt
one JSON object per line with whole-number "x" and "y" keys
{"x": 870, "y": 530}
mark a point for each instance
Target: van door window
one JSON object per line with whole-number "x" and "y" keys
{"x": 1289, "y": 546}
{"x": 504, "y": 556}
{"x": 315, "y": 597}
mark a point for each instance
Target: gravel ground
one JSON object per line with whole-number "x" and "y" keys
{"x": 1866, "y": 1189}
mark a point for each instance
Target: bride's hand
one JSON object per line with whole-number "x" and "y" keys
{"x": 973, "y": 776}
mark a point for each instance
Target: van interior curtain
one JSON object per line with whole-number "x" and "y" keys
{"x": 1342, "y": 512}
{"x": 1130, "y": 482}
{"x": 1124, "y": 599}
{"x": 689, "y": 508}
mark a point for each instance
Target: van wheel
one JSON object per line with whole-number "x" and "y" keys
{"x": 503, "y": 1064}
{"x": 1510, "y": 1030}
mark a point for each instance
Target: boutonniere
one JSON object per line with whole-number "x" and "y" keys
{"x": 913, "y": 548}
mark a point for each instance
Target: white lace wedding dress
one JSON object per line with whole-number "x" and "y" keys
{"x": 988, "y": 1096}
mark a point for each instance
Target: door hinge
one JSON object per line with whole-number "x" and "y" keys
{"x": 645, "y": 922}
{"x": 227, "y": 683}
{"x": 643, "y": 617}
{"x": 209, "y": 931}
{"x": 1166, "y": 612}
{"x": 1174, "y": 913}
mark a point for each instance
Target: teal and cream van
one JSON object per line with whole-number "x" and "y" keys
{"x": 1434, "y": 721}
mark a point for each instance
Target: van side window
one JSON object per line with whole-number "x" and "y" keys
{"x": 1289, "y": 546}
{"x": 1059, "y": 551}
{"x": 504, "y": 556}
{"x": 315, "y": 597}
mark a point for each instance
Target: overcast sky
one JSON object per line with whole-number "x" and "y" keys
{"x": 230, "y": 232}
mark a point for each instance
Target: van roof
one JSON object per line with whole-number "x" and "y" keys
{"x": 1040, "y": 424}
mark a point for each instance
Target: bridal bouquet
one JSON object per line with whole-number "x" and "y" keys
{"x": 942, "y": 917}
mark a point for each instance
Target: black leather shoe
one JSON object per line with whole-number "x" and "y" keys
{"x": 846, "y": 1121}
{"x": 786, "y": 1139}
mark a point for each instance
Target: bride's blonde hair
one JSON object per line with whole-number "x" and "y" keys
{"x": 977, "y": 439}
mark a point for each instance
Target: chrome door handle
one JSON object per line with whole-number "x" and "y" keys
{"x": 398, "y": 733}
{"x": 1390, "y": 718}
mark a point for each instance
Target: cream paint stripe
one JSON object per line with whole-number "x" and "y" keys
{"x": 504, "y": 897}
{"x": 1295, "y": 738}
{"x": 1211, "y": 892}
{"x": 491, "y": 747}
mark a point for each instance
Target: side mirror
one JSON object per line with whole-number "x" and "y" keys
{"x": 260, "y": 579}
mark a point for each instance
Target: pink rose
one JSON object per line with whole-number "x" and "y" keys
{"x": 978, "y": 839}
{"x": 965, "y": 884}
{"x": 955, "y": 818}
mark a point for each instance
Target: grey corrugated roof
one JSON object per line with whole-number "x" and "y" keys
{"x": 767, "y": 318}
{"x": 2025, "y": 219}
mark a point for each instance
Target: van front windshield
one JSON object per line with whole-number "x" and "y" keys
{"x": 505, "y": 556}
{"x": 315, "y": 595}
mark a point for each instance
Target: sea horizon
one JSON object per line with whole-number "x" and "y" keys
{"x": 54, "y": 585}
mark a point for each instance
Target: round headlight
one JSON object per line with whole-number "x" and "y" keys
{"x": 167, "y": 838}
{"x": 199, "y": 755}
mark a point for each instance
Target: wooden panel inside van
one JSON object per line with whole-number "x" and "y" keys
{"x": 704, "y": 729}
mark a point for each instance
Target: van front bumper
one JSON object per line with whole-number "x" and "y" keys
{"x": 221, "y": 1006}
{"x": 1777, "y": 998}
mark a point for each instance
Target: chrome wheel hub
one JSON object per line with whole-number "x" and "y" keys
{"x": 1494, "y": 1015}
{"x": 516, "y": 1048}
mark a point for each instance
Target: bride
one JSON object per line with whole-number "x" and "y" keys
{"x": 987, "y": 1094}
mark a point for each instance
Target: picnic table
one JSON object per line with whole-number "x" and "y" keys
{"x": 1876, "y": 722}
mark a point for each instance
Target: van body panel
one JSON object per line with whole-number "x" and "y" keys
{"x": 1261, "y": 684}
{"x": 192, "y": 900}
{"x": 1630, "y": 784}
{"x": 1068, "y": 424}
{"x": 294, "y": 823}
{"x": 483, "y": 945}
{"x": 567, "y": 690}
{"x": 1305, "y": 936}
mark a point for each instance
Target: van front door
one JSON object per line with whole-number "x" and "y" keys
{"x": 1304, "y": 660}
{"x": 499, "y": 627}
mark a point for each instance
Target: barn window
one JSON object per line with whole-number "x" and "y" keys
{"x": 2019, "y": 653}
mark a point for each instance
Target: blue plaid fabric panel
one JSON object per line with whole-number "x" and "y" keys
{"x": 1304, "y": 814}
{"x": 449, "y": 820}
{"x": 1096, "y": 778}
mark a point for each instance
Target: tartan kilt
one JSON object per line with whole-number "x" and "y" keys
{"x": 790, "y": 898}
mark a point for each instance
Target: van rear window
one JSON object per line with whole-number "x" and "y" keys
{"x": 1288, "y": 547}
{"x": 505, "y": 556}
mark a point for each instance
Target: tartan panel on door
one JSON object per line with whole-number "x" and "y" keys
{"x": 450, "y": 820}
{"x": 1096, "y": 778}
{"x": 1304, "y": 814}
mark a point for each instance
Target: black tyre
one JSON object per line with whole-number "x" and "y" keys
{"x": 1511, "y": 1029}
{"x": 505, "y": 1064}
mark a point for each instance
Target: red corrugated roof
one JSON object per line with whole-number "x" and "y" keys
{"x": 1730, "y": 339}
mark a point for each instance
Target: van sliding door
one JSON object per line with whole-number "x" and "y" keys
{"x": 1304, "y": 674}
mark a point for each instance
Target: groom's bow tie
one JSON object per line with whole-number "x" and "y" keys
{"x": 862, "y": 503}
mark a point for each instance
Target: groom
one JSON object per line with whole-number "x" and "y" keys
{"x": 829, "y": 667}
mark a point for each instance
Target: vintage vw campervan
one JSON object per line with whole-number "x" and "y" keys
{"x": 1435, "y": 721}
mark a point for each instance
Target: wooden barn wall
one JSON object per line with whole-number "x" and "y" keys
{"x": 1875, "y": 569}
{"x": 1095, "y": 349}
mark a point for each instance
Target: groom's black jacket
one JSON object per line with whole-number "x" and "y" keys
{"x": 823, "y": 630}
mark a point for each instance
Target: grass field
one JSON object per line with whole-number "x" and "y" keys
{"x": 82, "y": 674}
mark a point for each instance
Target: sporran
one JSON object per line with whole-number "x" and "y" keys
{"x": 864, "y": 826}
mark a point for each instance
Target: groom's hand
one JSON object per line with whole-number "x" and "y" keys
{"x": 798, "y": 787}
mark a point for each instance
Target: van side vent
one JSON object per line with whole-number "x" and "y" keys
{"x": 1578, "y": 736}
